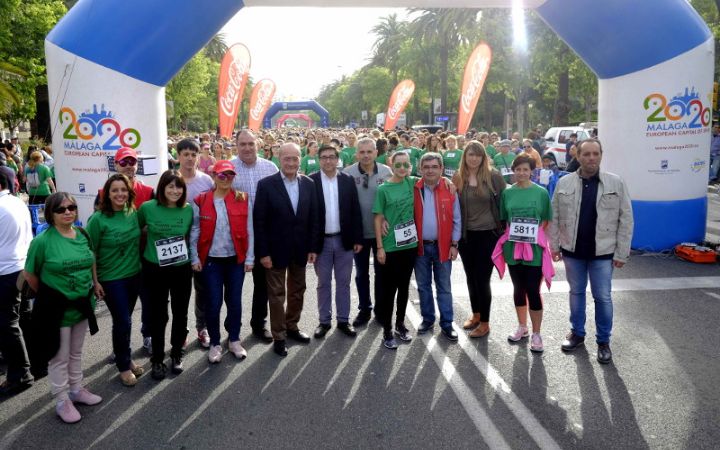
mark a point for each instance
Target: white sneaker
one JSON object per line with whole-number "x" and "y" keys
{"x": 536, "y": 343}
{"x": 237, "y": 350}
{"x": 520, "y": 333}
{"x": 215, "y": 354}
{"x": 84, "y": 397}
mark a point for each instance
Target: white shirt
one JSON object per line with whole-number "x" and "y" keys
{"x": 293, "y": 190}
{"x": 332, "y": 205}
{"x": 15, "y": 233}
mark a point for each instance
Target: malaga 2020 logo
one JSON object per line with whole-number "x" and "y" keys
{"x": 683, "y": 114}
{"x": 95, "y": 131}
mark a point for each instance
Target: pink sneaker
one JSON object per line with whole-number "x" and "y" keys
{"x": 67, "y": 411}
{"x": 237, "y": 350}
{"x": 520, "y": 333}
{"x": 215, "y": 354}
{"x": 85, "y": 397}
{"x": 204, "y": 338}
{"x": 536, "y": 343}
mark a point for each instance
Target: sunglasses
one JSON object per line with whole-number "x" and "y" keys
{"x": 126, "y": 162}
{"x": 62, "y": 209}
{"x": 401, "y": 165}
{"x": 527, "y": 146}
{"x": 366, "y": 180}
{"x": 222, "y": 176}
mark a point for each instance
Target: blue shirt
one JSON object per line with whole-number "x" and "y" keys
{"x": 715, "y": 145}
{"x": 293, "y": 189}
{"x": 429, "y": 225}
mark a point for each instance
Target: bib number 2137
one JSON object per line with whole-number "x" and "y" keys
{"x": 171, "y": 250}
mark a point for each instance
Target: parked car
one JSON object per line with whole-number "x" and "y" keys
{"x": 557, "y": 138}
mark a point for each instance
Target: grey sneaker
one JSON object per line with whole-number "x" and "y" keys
{"x": 390, "y": 342}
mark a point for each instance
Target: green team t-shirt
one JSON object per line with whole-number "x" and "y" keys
{"x": 164, "y": 223}
{"x": 395, "y": 201}
{"x": 382, "y": 159}
{"x": 491, "y": 151}
{"x": 310, "y": 164}
{"x": 451, "y": 162}
{"x": 350, "y": 155}
{"x": 63, "y": 264}
{"x": 275, "y": 160}
{"x": 116, "y": 240}
{"x": 532, "y": 202}
{"x": 37, "y": 180}
{"x": 503, "y": 164}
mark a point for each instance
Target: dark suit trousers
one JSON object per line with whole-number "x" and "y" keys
{"x": 282, "y": 319}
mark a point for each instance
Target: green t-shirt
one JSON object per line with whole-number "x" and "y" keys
{"x": 382, "y": 159}
{"x": 164, "y": 223}
{"x": 532, "y": 202}
{"x": 349, "y": 153}
{"x": 63, "y": 264}
{"x": 451, "y": 162}
{"x": 116, "y": 240}
{"x": 503, "y": 163}
{"x": 37, "y": 179}
{"x": 491, "y": 151}
{"x": 310, "y": 164}
{"x": 395, "y": 202}
{"x": 275, "y": 160}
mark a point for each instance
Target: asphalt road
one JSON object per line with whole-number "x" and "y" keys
{"x": 660, "y": 392}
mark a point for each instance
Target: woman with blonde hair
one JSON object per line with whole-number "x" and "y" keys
{"x": 479, "y": 189}
{"x": 38, "y": 179}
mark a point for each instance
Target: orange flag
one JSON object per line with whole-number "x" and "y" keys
{"x": 260, "y": 100}
{"x": 234, "y": 72}
{"x": 398, "y": 101}
{"x": 476, "y": 71}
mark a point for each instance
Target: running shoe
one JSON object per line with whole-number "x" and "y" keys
{"x": 519, "y": 334}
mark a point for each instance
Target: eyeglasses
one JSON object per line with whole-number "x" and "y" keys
{"x": 62, "y": 209}
{"x": 527, "y": 146}
{"x": 222, "y": 176}
{"x": 127, "y": 162}
{"x": 401, "y": 165}
{"x": 329, "y": 157}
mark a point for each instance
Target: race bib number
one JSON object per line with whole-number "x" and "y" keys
{"x": 545, "y": 175}
{"x": 405, "y": 233}
{"x": 171, "y": 250}
{"x": 311, "y": 161}
{"x": 449, "y": 172}
{"x": 32, "y": 180}
{"x": 505, "y": 171}
{"x": 450, "y": 154}
{"x": 524, "y": 229}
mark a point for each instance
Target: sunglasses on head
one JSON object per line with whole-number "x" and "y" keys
{"x": 62, "y": 209}
{"x": 399, "y": 165}
{"x": 225, "y": 176}
{"x": 126, "y": 162}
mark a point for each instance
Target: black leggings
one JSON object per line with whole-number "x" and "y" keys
{"x": 396, "y": 273}
{"x": 526, "y": 283}
{"x": 476, "y": 253}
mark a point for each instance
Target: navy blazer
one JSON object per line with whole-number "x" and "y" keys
{"x": 351, "y": 227}
{"x": 280, "y": 233}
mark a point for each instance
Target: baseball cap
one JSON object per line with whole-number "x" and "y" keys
{"x": 505, "y": 143}
{"x": 223, "y": 166}
{"x": 125, "y": 152}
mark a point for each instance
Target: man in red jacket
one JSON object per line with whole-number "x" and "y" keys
{"x": 438, "y": 219}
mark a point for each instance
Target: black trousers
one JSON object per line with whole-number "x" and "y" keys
{"x": 526, "y": 285}
{"x": 12, "y": 344}
{"x": 175, "y": 282}
{"x": 396, "y": 273}
{"x": 260, "y": 298}
{"x": 476, "y": 253}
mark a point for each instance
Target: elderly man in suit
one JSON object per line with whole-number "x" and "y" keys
{"x": 287, "y": 230}
{"x": 340, "y": 236}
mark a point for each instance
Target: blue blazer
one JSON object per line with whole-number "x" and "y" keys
{"x": 351, "y": 227}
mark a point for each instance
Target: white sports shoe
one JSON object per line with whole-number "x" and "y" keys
{"x": 215, "y": 354}
{"x": 237, "y": 350}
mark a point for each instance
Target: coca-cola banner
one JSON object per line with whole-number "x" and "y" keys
{"x": 398, "y": 101}
{"x": 234, "y": 72}
{"x": 260, "y": 100}
{"x": 476, "y": 71}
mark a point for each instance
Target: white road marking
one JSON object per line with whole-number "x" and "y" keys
{"x": 713, "y": 295}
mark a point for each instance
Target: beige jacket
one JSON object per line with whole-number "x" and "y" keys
{"x": 613, "y": 231}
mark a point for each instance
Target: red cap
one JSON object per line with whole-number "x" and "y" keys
{"x": 224, "y": 166}
{"x": 125, "y": 152}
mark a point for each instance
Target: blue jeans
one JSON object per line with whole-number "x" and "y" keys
{"x": 714, "y": 166}
{"x": 227, "y": 273}
{"x": 600, "y": 272}
{"x": 426, "y": 266}
{"x": 120, "y": 298}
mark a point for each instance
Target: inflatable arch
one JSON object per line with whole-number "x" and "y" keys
{"x": 281, "y": 121}
{"x": 297, "y": 106}
{"x": 654, "y": 59}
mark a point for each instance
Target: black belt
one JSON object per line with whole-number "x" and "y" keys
{"x": 332, "y": 234}
{"x": 429, "y": 242}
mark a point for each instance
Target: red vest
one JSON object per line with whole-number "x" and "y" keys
{"x": 444, "y": 201}
{"x": 236, "y": 204}
{"x": 143, "y": 193}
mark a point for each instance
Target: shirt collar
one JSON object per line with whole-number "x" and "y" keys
{"x": 325, "y": 177}
{"x": 375, "y": 169}
{"x": 286, "y": 179}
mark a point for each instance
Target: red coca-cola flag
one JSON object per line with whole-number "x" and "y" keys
{"x": 260, "y": 100}
{"x": 398, "y": 101}
{"x": 234, "y": 72}
{"x": 476, "y": 71}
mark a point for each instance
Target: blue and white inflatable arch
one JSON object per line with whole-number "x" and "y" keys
{"x": 108, "y": 63}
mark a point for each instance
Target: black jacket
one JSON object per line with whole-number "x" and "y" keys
{"x": 351, "y": 227}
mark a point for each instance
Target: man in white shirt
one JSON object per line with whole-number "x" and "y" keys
{"x": 15, "y": 237}
{"x": 340, "y": 237}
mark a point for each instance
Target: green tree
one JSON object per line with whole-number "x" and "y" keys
{"x": 391, "y": 34}
{"x": 217, "y": 47}
{"x": 9, "y": 96}
{"x": 187, "y": 87}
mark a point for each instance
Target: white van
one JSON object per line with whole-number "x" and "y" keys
{"x": 557, "y": 138}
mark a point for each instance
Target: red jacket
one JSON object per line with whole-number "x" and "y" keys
{"x": 444, "y": 200}
{"x": 236, "y": 204}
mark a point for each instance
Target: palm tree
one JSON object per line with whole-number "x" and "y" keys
{"x": 8, "y": 95}
{"x": 391, "y": 34}
{"x": 216, "y": 48}
{"x": 448, "y": 28}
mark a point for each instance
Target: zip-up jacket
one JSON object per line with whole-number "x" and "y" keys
{"x": 444, "y": 201}
{"x": 236, "y": 204}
